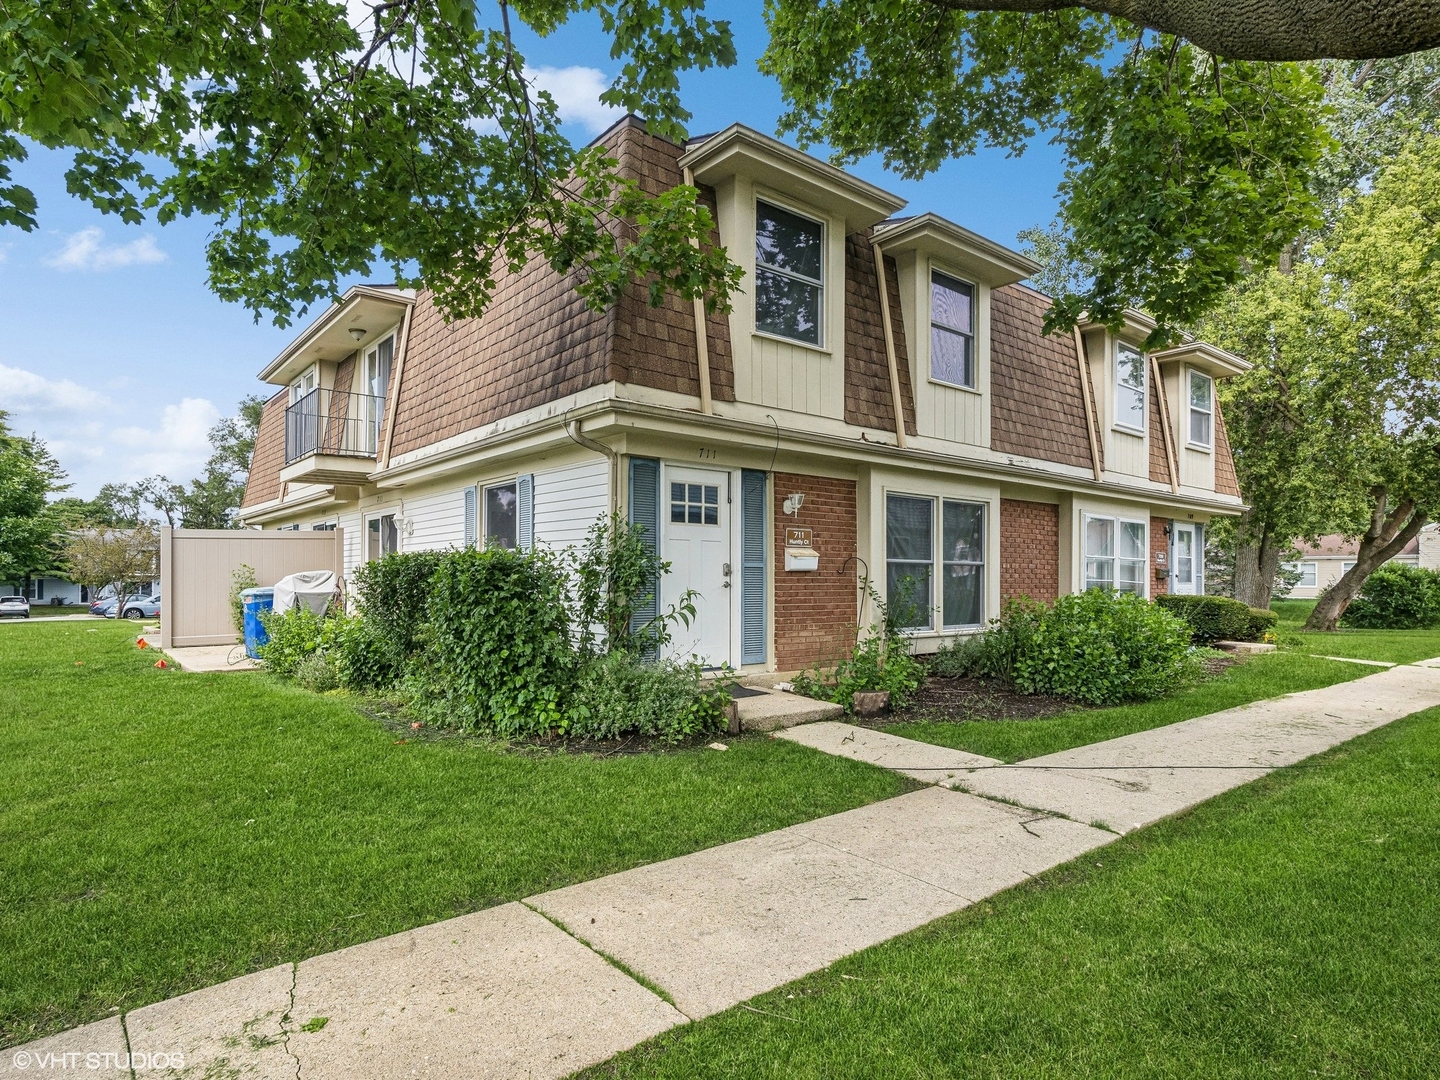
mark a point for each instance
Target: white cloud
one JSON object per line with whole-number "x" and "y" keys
{"x": 175, "y": 445}
{"x": 86, "y": 250}
{"x": 577, "y": 91}
{"x": 25, "y": 391}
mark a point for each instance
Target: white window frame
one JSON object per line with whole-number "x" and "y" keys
{"x": 971, "y": 337}
{"x": 374, "y": 413}
{"x": 821, "y": 317}
{"x": 1115, "y": 558}
{"x": 365, "y": 540}
{"x": 1191, "y": 374}
{"x": 484, "y": 511}
{"x": 935, "y": 607}
{"x": 304, "y": 383}
{"x": 1300, "y": 568}
{"x": 1121, "y": 348}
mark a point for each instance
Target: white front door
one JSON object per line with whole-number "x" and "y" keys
{"x": 695, "y": 509}
{"x": 1185, "y": 571}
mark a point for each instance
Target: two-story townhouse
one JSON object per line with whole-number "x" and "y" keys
{"x": 880, "y": 405}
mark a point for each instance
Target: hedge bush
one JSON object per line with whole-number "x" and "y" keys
{"x": 617, "y": 695}
{"x": 500, "y": 658}
{"x": 294, "y": 635}
{"x": 1211, "y": 618}
{"x": 392, "y": 595}
{"x": 1262, "y": 621}
{"x": 1103, "y": 648}
{"x": 1396, "y": 597}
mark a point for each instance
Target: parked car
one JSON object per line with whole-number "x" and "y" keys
{"x": 103, "y": 606}
{"x": 138, "y": 607}
{"x": 12, "y": 607}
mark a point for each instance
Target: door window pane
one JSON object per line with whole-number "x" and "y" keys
{"x": 789, "y": 262}
{"x": 501, "y": 516}
{"x": 1184, "y": 556}
{"x": 695, "y": 504}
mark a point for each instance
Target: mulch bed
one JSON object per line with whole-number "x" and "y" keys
{"x": 951, "y": 700}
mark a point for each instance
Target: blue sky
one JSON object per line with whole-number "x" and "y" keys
{"x": 117, "y": 354}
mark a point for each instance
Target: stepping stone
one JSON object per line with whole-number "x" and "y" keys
{"x": 720, "y": 926}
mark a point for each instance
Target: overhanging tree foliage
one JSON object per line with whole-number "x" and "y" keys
{"x": 412, "y": 139}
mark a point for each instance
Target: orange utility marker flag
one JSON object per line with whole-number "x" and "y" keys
{"x": 141, "y": 643}
{"x": 161, "y": 664}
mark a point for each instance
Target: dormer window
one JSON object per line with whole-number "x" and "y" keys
{"x": 952, "y": 331}
{"x": 789, "y": 268}
{"x": 1202, "y": 408}
{"x": 1130, "y": 388}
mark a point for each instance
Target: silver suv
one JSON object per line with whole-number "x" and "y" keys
{"x": 14, "y": 607}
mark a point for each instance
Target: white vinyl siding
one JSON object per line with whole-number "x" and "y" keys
{"x": 568, "y": 501}
{"x": 436, "y": 522}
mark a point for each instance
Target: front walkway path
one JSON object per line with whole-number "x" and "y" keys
{"x": 544, "y": 987}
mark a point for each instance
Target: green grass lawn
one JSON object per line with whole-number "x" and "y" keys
{"x": 1286, "y": 929}
{"x": 162, "y": 831}
{"x": 1013, "y": 740}
{"x": 1397, "y": 646}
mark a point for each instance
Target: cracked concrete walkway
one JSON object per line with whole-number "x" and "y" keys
{"x": 544, "y": 987}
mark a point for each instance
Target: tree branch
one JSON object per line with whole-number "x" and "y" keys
{"x": 1264, "y": 29}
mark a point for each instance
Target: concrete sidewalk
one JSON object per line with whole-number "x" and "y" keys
{"x": 533, "y": 989}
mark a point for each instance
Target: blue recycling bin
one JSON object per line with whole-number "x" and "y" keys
{"x": 254, "y": 601}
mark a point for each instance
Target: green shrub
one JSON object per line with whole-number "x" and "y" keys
{"x": 1211, "y": 618}
{"x": 316, "y": 673}
{"x": 1102, "y": 648}
{"x": 294, "y": 635}
{"x": 1396, "y": 597}
{"x": 615, "y": 574}
{"x": 241, "y": 578}
{"x": 392, "y": 595}
{"x": 618, "y": 695}
{"x": 362, "y": 660}
{"x": 992, "y": 654}
{"x": 500, "y": 657}
{"x": 1262, "y": 621}
{"x": 881, "y": 661}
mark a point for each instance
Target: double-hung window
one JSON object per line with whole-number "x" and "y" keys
{"x": 1114, "y": 554}
{"x": 1308, "y": 573}
{"x": 502, "y": 515}
{"x": 913, "y": 558}
{"x": 789, "y": 274}
{"x": 1130, "y": 388}
{"x": 1202, "y": 408}
{"x": 952, "y": 331}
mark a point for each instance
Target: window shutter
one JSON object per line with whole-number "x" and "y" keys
{"x": 645, "y": 511}
{"x": 752, "y": 566}
{"x": 525, "y": 512}
{"x": 472, "y": 517}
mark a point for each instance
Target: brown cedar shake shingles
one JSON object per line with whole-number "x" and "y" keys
{"x": 263, "y": 483}
{"x": 1225, "y": 482}
{"x": 1036, "y": 408}
{"x": 1159, "y": 458}
{"x": 868, "y": 398}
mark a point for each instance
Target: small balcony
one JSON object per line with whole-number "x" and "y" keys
{"x": 331, "y": 437}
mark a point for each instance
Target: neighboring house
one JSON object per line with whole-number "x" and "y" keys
{"x": 923, "y": 432}
{"x": 1322, "y": 564}
{"x": 48, "y": 590}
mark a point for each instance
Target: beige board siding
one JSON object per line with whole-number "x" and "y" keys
{"x": 197, "y": 567}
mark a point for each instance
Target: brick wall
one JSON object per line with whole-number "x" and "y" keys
{"x": 815, "y": 609}
{"x": 1159, "y": 542}
{"x": 1029, "y": 549}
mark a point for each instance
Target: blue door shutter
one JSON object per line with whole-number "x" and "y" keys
{"x": 753, "y": 500}
{"x": 472, "y": 518}
{"x": 525, "y": 512}
{"x": 645, "y": 511}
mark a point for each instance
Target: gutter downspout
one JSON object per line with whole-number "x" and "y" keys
{"x": 702, "y": 343}
{"x": 572, "y": 429}
{"x": 401, "y": 350}
{"x": 1171, "y": 454}
{"x": 1082, "y": 360}
{"x": 884, "y": 279}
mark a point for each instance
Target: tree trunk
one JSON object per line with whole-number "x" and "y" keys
{"x": 1256, "y": 560}
{"x": 1265, "y": 29}
{"x": 1387, "y": 536}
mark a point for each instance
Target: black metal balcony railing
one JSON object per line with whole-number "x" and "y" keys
{"x": 333, "y": 422}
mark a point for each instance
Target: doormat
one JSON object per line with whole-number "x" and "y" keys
{"x": 736, "y": 690}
